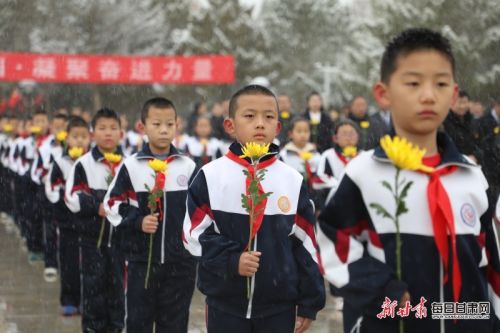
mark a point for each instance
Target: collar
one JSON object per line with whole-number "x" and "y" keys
{"x": 98, "y": 156}
{"x": 146, "y": 153}
{"x": 291, "y": 147}
{"x": 446, "y": 148}
{"x": 236, "y": 149}
{"x": 495, "y": 116}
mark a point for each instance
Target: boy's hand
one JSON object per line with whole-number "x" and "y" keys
{"x": 101, "y": 212}
{"x": 402, "y": 302}
{"x": 302, "y": 324}
{"x": 249, "y": 263}
{"x": 150, "y": 223}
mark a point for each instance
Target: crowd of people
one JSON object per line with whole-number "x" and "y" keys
{"x": 126, "y": 220}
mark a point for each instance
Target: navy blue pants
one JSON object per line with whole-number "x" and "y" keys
{"x": 103, "y": 270}
{"x": 219, "y": 321}
{"x": 166, "y": 301}
{"x": 69, "y": 264}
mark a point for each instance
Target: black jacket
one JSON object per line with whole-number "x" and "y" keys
{"x": 462, "y": 131}
{"x": 321, "y": 134}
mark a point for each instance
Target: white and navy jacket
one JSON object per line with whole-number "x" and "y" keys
{"x": 357, "y": 246}
{"x": 45, "y": 154}
{"x": 290, "y": 155}
{"x": 126, "y": 205}
{"x": 26, "y": 156}
{"x": 331, "y": 167}
{"x": 7, "y": 147}
{"x": 55, "y": 187}
{"x": 200, "y": 153}
{"x": 86, "y": 187}
{"x": 216, "y": 231}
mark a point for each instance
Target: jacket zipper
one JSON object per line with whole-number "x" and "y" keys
{"x": 110, "y": 236}
{"x": 163, "y": 229}
{"x": 252, "y": 285}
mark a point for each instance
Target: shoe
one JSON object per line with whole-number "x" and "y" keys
{"x": 69, "y": 311}
{"x": 35, "y": 257}
{"x": 50, "y": 275}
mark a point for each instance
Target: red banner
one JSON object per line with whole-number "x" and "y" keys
{"x": 67, "y": 68}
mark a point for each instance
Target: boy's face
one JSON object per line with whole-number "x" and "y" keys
{"x": 203, "y": 128}
{"x": 79, "y": 137}
{"x": 107, "y": 134}
{"x": 300, "y": 133}
{"x": 42, "y": 121}
{"x": 57, "y": 125}
{"x": 314, "y": 103}
{"x": 461, "y": 106}
{"x": 346, "y": 136}
{"x": 160, "y": 127}
{"x": 419, "y": 93}
{"x": 255, "y": 119}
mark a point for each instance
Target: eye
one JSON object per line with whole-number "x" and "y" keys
{"x": 412, "y": 84}
{"x": 249, "y": 116}
{"x": 443, "y": 84}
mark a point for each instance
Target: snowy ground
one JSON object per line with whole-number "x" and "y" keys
{"x": 29, "y": 305}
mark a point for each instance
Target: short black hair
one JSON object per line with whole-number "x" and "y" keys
{"x": 40, "y": 111}
{"x": 411, "y": 40}
{"x": 60, "y": 116}
{"x": 159, "y": 103}
{"x": 105, "y": 113}
{"x": 76, "y": 121}
{"x": 252, "y": 89}
{"x": 346, "y": 122}
{"x": 295, "y": 120}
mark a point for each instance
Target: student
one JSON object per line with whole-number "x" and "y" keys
{"x": 447, "y": 206}
{"x": 286, "y": 286}
{"x": 69, "y": 250}
{"x": 202, "y": 147}
{"x": 165, "y": 302}
{"x": 102, "y": 266}
{"x": 301, "y": 154}
{"x": 334, "y": 160}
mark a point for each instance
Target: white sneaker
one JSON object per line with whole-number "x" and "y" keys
{"x": 50, "y": 274}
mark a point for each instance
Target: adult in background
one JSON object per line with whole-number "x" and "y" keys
{"x": 321, "y": 125}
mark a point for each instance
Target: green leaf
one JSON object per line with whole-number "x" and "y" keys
{"x": 401, "y": 208}
{"x": 406, "y": 188}
{"x": 387, "y": 185}
{"x": 244, "y": 202}
{"x": 246, "y": 173}
{"x": 381, "y": 211}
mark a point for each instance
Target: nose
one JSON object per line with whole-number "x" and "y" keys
{"x": 428, "y": 94}
{"x": 259, "y": 121}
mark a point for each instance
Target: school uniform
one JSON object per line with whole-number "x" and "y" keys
{"x": 3, "y": 174}
{"x": 102, "y": 268}
{"x": 202, "y": 152}
{"x": 171, "y": 282}
{"x": 216, "y": 231}
{"x": 67, "y": 223}
{"x": 357, "y": 246}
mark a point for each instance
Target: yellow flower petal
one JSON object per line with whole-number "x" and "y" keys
{"x": 158, "y": 165}
{"x": 364, "y": 124}
{"x": 306, "y": 155}
{"x": 285, "y": 115}
{"x": 403, "y": 154}
{"x": 350, "y": 151}
{"x": 496, "y": 130}
{"x": 8, "y": 128}
{"x": 75, "y": 152}
{"x": 112, "y": 158}
{"x": 61, "y": 136}
{"x": 35, "y": 130}
{"x": 254, "y": 151}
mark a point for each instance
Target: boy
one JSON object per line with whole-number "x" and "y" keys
{"x": 102, "y": 267}
{"x": 449, "y": 249}
{"x": 165, "y": 302}
{"x": 69, "y": 250}
{"x": 287, "y": 288}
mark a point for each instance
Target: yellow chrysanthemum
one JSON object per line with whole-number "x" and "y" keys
{"x": 364, "y": 124}
{"x": 285, "y": 115}
{"x": 158, "y": 165}
{"x": 204, "y": 142}
{"x": 314, "y": 122}
{"x": 113, "y": 158}
{"x": 254, "y": 151}
{"x": 75, "y": 152}
{"x": 306, "y": 155}
{"x": 496, "y": 130}
{"x": 35, "y": 130}
{"x": 8, "y": 128}
{"x": 403, "y": 154}
{"x": 61, "y": 136}
{"x": 350, "y": 151}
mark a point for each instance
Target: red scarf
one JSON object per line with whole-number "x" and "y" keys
{"x": 250, "y": 168}
{"x": 160, "y": 179}
{"x": 442, "y": 221}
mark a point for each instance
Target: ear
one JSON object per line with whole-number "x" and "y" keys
{"x": 229, "y": 126}
{"x": 278, "y": 128}
{"x": 140, "y": 127}
{"x": 454, "y": 99}
{"x": 334, "y": 138}
{"x": 381, "y": 95}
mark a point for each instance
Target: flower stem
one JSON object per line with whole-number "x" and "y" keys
{"x": 149, "y": 260}
{"x": 398, "y": 239}
{"x": 252, "y": 213}
{"x": 101, "y": 233}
